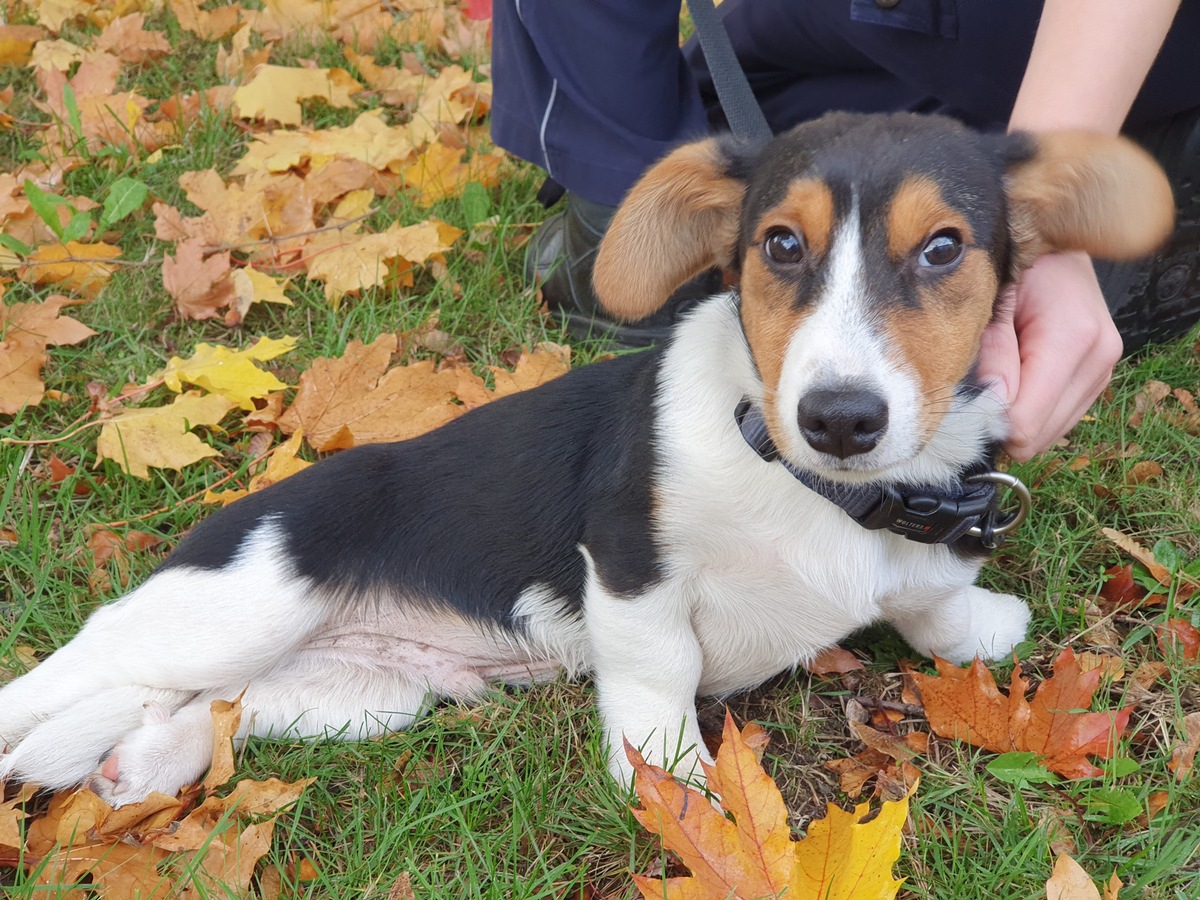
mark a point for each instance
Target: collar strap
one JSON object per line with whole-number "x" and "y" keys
{"x": 923, "y": 513}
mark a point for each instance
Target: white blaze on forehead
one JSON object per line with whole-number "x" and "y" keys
{"x": 842, "y": 341}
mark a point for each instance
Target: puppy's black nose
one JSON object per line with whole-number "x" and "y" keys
{"x": 842, "y": 422}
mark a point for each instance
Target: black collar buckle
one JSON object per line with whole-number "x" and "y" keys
{"x": 937, "y": 518}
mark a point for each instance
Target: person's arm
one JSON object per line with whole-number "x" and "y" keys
{"x": 1055, "y": 353}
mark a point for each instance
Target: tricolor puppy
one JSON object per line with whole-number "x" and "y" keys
{"x": 680, "y": 521}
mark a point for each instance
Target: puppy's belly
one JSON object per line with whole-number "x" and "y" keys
{"x": 450, "y": 654}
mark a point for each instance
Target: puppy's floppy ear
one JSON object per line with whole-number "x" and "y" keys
{"x": 1074, "y": 190}
{"x": 680, "y": 219}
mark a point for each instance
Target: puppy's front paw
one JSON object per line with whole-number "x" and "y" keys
{"x": 683, "y": 764}
{"x": 998, "y": 623}
{"x": 164, "y": 755}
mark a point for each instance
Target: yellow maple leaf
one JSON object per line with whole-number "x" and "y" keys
{"x": 439, "y": 172}
{"x": 282, "y": 463}
{"x": 17, "y": 41}
{"x": 369, "y": 139}
{"x": 210, "y": 26}
{"x": 275, "y": 92}
{"x": 136, "y": 439}
{"x": 58, "y": 55}
{"x": 348, "y": 265}
{"x": 251, "y": 286}
{"x": 52, "y": 14}
{"x": 126, "y": 38}
{"x": 231, "y": 373}
{"x": 82, "y": 269}
{"x": 396, "y": 87}
{"x": 753, "y": 855}
{"x": 450, "y": 98}
{"x": 546, "y": 362}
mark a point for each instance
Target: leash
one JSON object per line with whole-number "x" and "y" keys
{"x": 922, "y": 513}
{"x": 745, "y": 117}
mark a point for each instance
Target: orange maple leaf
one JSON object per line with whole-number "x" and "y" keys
{"x": 752, "y": 855}
{"x": 26, "y": 329}
{"x": 965, "y": 704}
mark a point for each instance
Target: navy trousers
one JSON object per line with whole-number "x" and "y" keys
{"x": 594, "y": 91}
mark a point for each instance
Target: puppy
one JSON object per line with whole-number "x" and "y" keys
{"x": 690, "y": 519}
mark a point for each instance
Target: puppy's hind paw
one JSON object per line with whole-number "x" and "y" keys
{"x": 164, "y": 755}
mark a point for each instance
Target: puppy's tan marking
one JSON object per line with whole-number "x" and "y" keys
{"x": 807, "y": 209}
{"x": 770, "y": 313}
{"x": 678, "y": 220}
{"x": 939, "y": 339}
{"x": 916, "y": 212}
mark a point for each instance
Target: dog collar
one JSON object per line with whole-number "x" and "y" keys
{"x": 923, "y": 513}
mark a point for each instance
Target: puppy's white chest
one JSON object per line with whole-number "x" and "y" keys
{"x": 769, "y": 594}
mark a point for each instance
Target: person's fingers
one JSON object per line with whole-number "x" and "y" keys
{"x": 1068, "y": 347}
{"x": 999, "y": 355}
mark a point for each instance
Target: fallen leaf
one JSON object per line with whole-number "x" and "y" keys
{"x": 545, "y": 363}
{"x": 753, "y": 856}
{"x": 136, "y": 439}
{"x": 1183, "y": 754}
{"x": 82, "y": 269}
{"x": 282, "y": 463}
{"x": 231, "y": 373}
{"x": 226, "y": 719}
{"x": 26, "y": 329}
{"x": 348, "y": 265}
{"x": 11, "y": 817}
{"x": 1179, "y": 637}
{"x": 127, "y": 39}
{"x": 275, "y": 92}
{"x": 1121, "y": 593}
{"x": 1141, "y": 472}
{"x": 1070, "y": 882}
{"x": 401, "y": 888}
{"x": 1148, "y": 399}
{"x": 1160, "y": 572}
{"x": 965, "y": 704}
{"x": 1110, "y": 666}
{"x": 16, "y": 42}
{"x": 200, "y": 286}
{"x": 834, "y": 660}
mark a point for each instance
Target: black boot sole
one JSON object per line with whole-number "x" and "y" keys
{"x": 1160, "y": 299}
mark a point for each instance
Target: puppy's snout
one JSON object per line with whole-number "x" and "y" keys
{"x": 842, "y": 422}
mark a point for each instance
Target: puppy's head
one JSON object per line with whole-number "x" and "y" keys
{"x": 871, "y": 252}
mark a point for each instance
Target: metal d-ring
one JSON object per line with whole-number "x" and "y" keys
{"x": 994, "y": 532}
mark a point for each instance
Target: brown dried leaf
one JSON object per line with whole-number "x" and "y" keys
{"x": 200, "y": 287}
{"x": 1141, "y": 472}
{"x": 127, "y": 39}
{"x": 1140, "y": 553}
{"x": 1183, "y": 755}
{"x": 226, "y": 719}
{"x": 834, "y": 660}
{"x": 1179, "y": 637}
{"x": 1148, "y": 400}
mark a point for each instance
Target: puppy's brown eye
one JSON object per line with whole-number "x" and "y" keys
{"x": 783, "y": 246}
{"x": 943, "y": 248}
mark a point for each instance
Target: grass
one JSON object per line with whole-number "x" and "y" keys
{"x": 509, "y": 798}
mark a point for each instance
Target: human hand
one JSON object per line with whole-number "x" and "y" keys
{"x": 1051, "y": 352}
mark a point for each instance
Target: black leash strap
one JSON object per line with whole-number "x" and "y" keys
{"x": 745, "y": 117}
